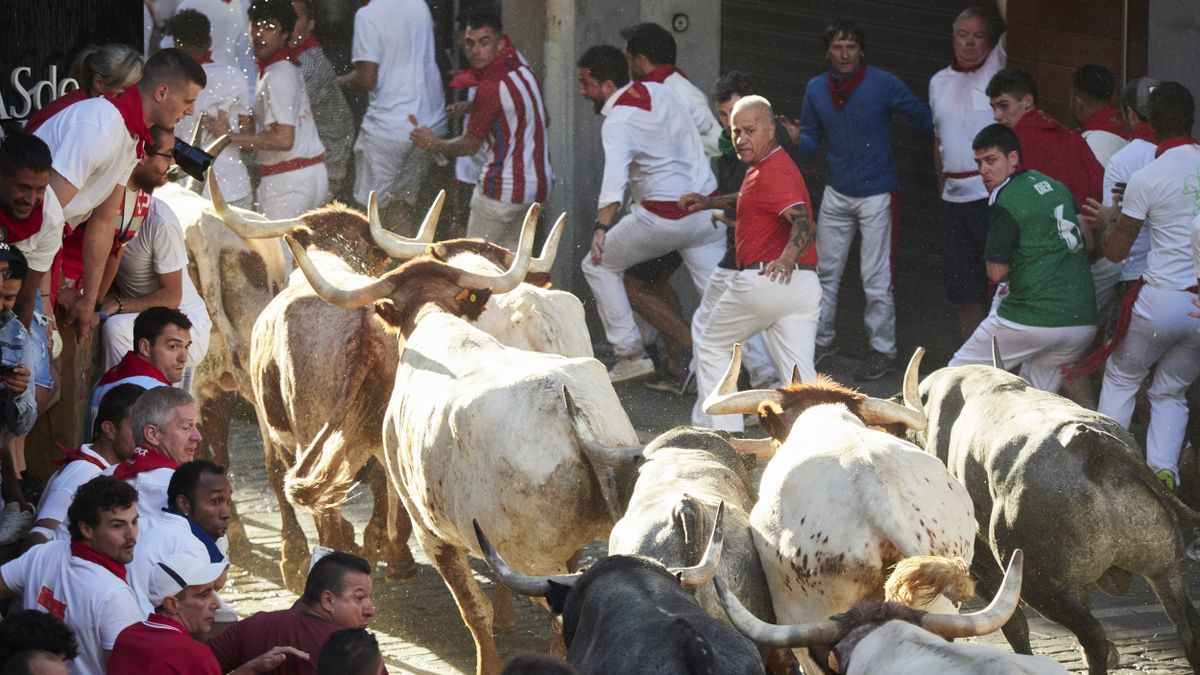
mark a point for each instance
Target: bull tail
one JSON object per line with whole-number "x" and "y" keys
{"x": 689, "y": 521}
{"x": 695, "y": 652}
{"x": 322, "y": 477}
{"x": 918, "y": 580}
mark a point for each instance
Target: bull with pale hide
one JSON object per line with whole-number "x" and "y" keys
{"x": 633, "y": 614}
{"x": 1068, "y": 486}
{"x": 897, "y": 639}
{"x": 840, "y": 502}
{"x": 477, "y": 428}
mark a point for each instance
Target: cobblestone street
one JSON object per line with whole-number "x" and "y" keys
{"x": 420, "y": 630}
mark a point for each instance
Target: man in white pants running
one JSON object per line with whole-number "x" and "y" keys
{"x": 652, "y": 147}
{"x": 1158, "y": 330}
{"x": 776, "y": 289}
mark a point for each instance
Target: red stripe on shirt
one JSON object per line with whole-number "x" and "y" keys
{"x": 541, "y": 157}
{"x": 517, "y": 151}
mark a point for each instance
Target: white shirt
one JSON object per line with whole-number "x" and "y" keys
{"x": 60, "y": 490}
{"x": 398, "y": 35}
{"x": 230, "y": 34}
{"x": 282, "y": 99}
{"x": 1164, "y": 196}
{"x": 159, "y": 248}
{"x": 40, "y": 249}
{"x": 1124, "y": 163}
{"x": 225, "y": 93}
{"x": 1196, "y": 246}
{"x": 160, "y": 538}
{"x": 1104, "y": 144}
{"x": 709, "y": 127}
{"x": 656, "y": 153}
{"x": 961, "y": 109}
{"x": 93, "y": 602}
{"x": 93, "y": 150}
{"x": 151, "y": 487}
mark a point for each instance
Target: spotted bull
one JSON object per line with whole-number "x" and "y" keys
{"x": 478, "y": 429}
{"x": 1068, "y": 486}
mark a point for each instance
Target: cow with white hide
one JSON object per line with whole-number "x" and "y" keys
{"x": 633, "y": 614}
{"x": 237, "y": 279}
{"x": 840, "y": 502}
{"x": 313, "y": 382}
{"x": 478, "y": 429}
{"x": 893, "y": 638}
{"x": 1067, "y": 485}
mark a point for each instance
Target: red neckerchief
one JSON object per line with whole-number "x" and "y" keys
{"x": 129, "y": 104}
{"x": 132, "y": 365}
{"x": 1172, "y": 142}
{"x": 1145, "y": 132}
{"x": 143, "y": 460}
{"x": 505, "y": 61}
{"x": 661, "y": 73}
{"x": 20, "y": 230}
{"x": 82, "y": 550}
{"x": 206, "y": 58}
{"x": 306, "y": 44}
{"x": 283, "y": 53}
{"x": 75, "y": 455}
{"x": 959, "y": 68}
{"x": 840, "y": 92}
{"x": 1106, "y": 119}
{"x": 52, "y": 108}
{"x": 636, "y": 96}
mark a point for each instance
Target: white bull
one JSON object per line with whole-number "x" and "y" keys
{"x": 477, "y": 430}
{"x": 841, "y": 502}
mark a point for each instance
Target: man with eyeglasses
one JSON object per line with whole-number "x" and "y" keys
{"x": 153, "y": 264}
{"x": 290, "y": 154}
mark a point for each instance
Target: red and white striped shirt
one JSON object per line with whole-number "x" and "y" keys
{"x": 510, "y": 116}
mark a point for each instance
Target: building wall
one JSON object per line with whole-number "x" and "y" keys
{"x": 1174, "y": 33}
{"x": 1052, "y": 39}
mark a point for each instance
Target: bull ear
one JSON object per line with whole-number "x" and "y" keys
{"x": 770, "y": 416}
{"x": 556, "y": 597}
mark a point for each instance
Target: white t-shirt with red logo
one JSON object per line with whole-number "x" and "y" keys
{"x": 93, "y": 150}
{"x": 1164, "y": 196}
{"x": 60, "y": 489}
{"x": 282, "y": 99}
{"x": 92, "y": 601}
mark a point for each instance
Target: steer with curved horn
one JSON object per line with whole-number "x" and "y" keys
{"x": 898, "y": 637}
{"x": 795, "y": 397}
{"x": 404, "y": 248}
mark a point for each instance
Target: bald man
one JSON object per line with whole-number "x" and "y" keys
{"x": 776, "y": 290}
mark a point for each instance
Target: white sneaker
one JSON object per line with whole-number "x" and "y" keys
{"x": 630, "y": 368}
{"x": 15, "y": 524}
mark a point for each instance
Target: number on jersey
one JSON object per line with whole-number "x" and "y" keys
{"x": 1067, "y": 230}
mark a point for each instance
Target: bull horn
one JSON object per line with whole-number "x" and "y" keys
{"x": 880, "y": 412}
{"x": 796, "y": 374}
{"x": 700, "y": 573}
{"x": 197, "y": 130}
{"x": 340, "y": 297}
{"x": 401, "y": 247}
{"x": 990, "y": 618}
{"x": 771, "y": 635}
{"x": 727, "y": 400}
{"x": 912, "y": 377}
{"x": 544, "y": 262}
{"x": 515, "y": 274}
{"x": 246, "y": 229}
{"x": 525, "y": 585}
{"x": 762, "y": 448}
{"x": 218, "y": 146}
{"x": 997, "y": 362}
{"x": 597, "y": 452}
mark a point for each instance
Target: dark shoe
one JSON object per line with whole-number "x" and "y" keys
{"x": 822, "y": 353}
{"x": 875, "y": 366}
{"x": 31, "y": 488}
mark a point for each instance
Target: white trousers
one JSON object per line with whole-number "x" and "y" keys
{"x": 841, "y": 216}
{"x": 1041, "y": 351}
{"x": 1105, "y": 275}
{"x": 393, "y": 167}
{"x": 116, "y": 336}
{"x": 1161, "y": 332}
{"x": 289, "y": 194}
{"x": 638, "y": 237}
{"x": 495, "y": 221}
{"x": 750, "y": 303}
{"x": 754, "y": 350}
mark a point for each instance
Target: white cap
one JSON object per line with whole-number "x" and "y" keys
{"x": 169, "y": 577}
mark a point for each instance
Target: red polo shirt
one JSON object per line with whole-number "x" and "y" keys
{"x": 160, "y": 646}
{"x": 772, "y": 186}
{"x": 1062, "y": 154}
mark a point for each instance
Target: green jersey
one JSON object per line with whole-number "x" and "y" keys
{"x": 1032, "y": 228}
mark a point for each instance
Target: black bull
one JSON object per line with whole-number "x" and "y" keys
{"x": 1069, "y": 487}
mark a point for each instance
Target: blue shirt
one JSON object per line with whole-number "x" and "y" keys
{"x": 859, "y": 136}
